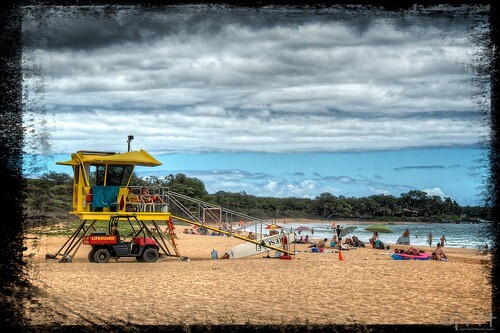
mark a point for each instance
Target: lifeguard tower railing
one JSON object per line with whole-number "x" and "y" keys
{"x": 162, "y": 199}
{"x": 155, "y": 203}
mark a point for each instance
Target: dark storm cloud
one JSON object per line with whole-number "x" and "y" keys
{"x": 85, "y": 28}
{"x": 232, "y": 79}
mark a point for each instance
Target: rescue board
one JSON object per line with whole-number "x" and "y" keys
{"x": 250, "y": 249}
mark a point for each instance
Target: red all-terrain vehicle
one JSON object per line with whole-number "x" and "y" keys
{"x": 104, "y": 247}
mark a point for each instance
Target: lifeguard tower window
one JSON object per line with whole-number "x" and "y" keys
{"x": 96, "y": 176}
{"x": 118, "y": 175}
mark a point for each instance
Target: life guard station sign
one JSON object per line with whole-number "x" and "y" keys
{"x": 104, "y": 240}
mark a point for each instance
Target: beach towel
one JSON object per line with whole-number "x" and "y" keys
{"x": 104, "y": 196}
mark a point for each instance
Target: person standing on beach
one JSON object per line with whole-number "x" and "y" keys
{"x": 429, "y": 238}
{"x": 312, "y": 231}
{"x": 338, "y": 231}
{"x": 442, "y": 240}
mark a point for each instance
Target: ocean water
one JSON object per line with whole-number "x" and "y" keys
{"x": 468, "y": 235}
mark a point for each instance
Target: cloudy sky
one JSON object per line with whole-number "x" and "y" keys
{"x": 271, "y": 101}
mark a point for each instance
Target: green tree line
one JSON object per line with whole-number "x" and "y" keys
{"x": 48, "y": 199}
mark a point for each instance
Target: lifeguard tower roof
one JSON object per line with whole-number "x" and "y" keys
{"x": 133, "y": 157}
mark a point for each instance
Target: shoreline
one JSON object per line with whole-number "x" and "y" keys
{"x": 363, "y": 222}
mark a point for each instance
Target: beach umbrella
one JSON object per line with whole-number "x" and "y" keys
{"x": 381, "y": 228}
{"x": 347, "y": 230}
{"x": 302, "y": 228}
{"x": 273, "y": 226}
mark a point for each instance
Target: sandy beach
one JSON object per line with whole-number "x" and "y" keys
{"x": 367, "y": 287}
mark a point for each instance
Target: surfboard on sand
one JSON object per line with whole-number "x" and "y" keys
{"x": 250, "y": 249}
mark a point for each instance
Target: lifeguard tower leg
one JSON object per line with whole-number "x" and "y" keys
{"x": 161, "y": 244}
{"x": 171, "y": 241}
{"x": 72, "y": 241}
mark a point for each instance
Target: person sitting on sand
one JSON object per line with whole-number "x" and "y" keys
{"x": 439, "y": 254}
{"x": 321, "y": 244}
{"x": 333, "y": 242}
{"x": 357, "y": 242}
{"x": 380, "y": 245}
{"x": 349, "y": 242}
{"x": 251, "y": 235}
{"x": 306, "y": 240}
{"x": 374, "y": 239}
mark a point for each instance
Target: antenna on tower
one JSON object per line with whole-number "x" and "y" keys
{"x": 130, "y": 138}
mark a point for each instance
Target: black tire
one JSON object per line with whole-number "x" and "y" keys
{"x": 139, "y": 259}
{"x": 150, "y": 255}
{"x": 91, "y": 256}
{"x": 101, "y": 256}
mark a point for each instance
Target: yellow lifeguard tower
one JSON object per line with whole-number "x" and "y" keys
{"x": 102, "y": 190}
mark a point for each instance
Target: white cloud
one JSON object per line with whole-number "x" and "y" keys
{"x": 434, "y": 191}
{"x": 378, "y": 191}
